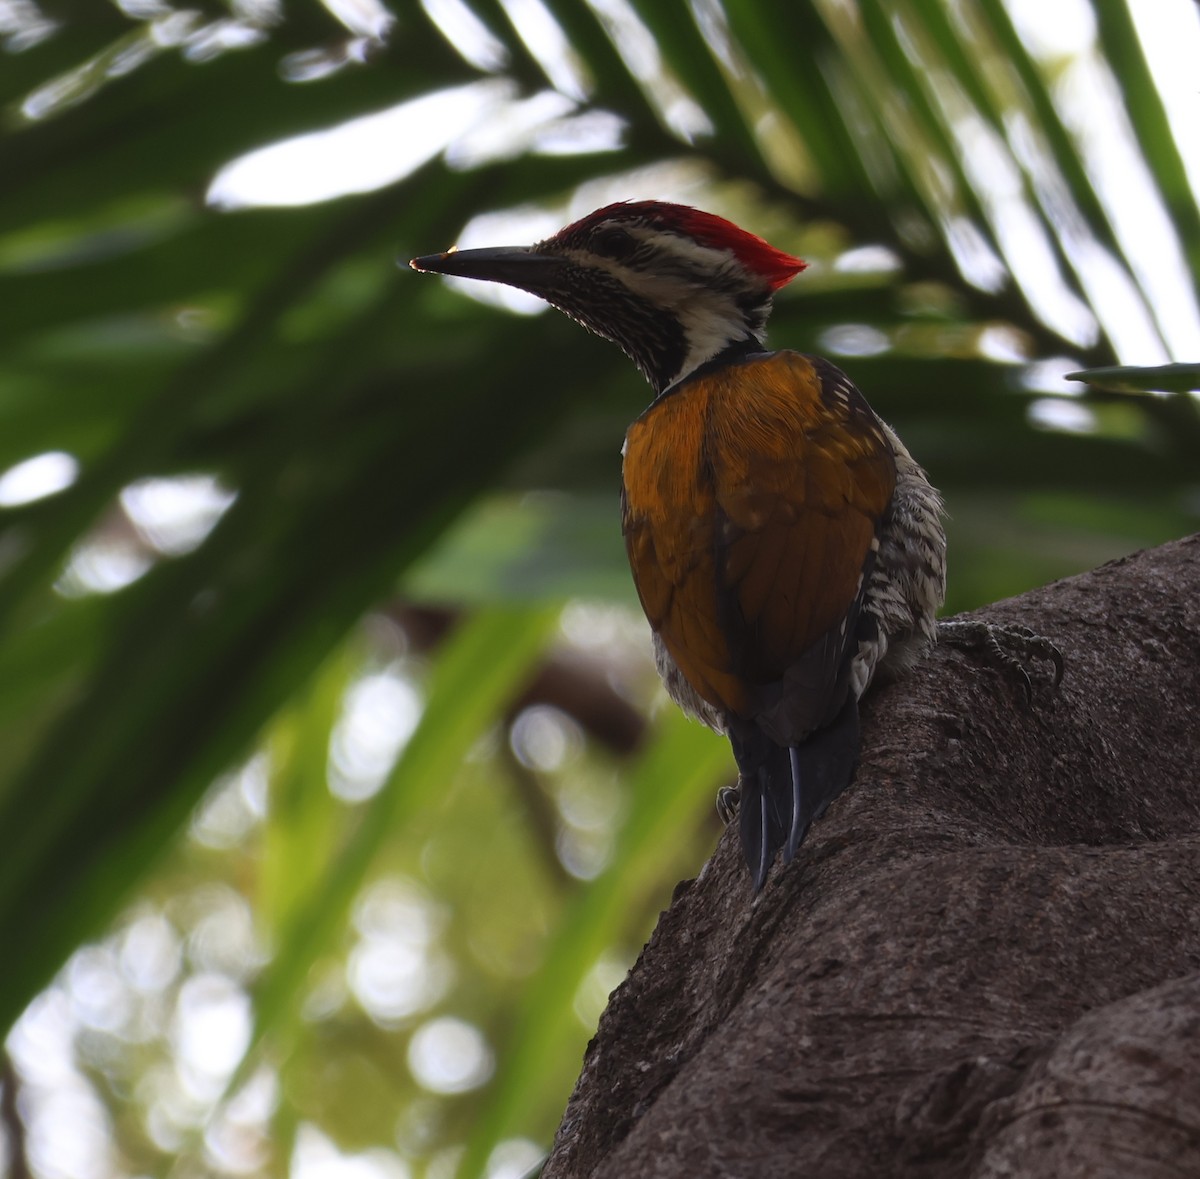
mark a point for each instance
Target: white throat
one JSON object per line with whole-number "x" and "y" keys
{"x": 710, "y": 316}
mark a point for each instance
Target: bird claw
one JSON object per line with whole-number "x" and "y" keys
{"x": 1005, "y": 645}
{"x": 729, "y": 798}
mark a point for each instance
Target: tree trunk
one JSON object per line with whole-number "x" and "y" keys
{"x": 985, "y": 960}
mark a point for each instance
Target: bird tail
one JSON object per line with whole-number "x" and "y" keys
{"x": 783, "y": 788}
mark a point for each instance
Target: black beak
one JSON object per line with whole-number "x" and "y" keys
{"x": 516, "y": 266}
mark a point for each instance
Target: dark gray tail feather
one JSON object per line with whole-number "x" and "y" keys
{"x": 784, "y": 788}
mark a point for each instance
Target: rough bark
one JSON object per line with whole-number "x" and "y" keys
{"x": 985, "y": 960}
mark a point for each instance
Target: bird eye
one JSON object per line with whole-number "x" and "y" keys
{"x": 614, "y": 242}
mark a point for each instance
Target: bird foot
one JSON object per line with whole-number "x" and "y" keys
{"x": 1007, "y": 646}
{"x": 729, "y": 798}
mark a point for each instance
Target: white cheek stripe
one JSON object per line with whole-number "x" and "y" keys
{"x": 710, "y": 318}
{"x": 708, "y": 328}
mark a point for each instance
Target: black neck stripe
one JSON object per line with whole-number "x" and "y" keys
{"x": 733, "y": 353}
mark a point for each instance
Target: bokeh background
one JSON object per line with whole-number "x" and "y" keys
{"x": 336, "y": 789}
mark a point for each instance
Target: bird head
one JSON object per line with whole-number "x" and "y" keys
{"x": 668, "y": 284}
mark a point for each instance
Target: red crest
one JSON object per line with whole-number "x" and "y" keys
{"x": 775, "y": 267}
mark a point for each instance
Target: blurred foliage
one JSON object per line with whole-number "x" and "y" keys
{"x": 335, "y": 788}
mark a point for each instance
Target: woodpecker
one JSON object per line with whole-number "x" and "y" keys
{"x": 785, "y": 546}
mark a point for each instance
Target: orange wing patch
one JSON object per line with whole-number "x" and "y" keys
{"x": 669, "y": 507}
{"x": 752, "y": 495}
